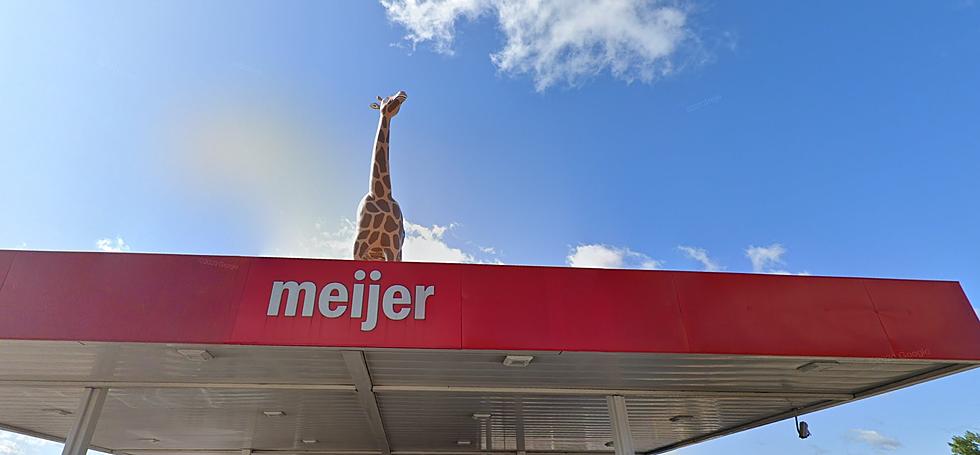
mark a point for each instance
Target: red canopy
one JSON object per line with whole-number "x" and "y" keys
{"x": 225, "y": 300}
{"x": 190, "y": 352}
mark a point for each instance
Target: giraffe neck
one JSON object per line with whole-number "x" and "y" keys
{"x": 380, "y": 177}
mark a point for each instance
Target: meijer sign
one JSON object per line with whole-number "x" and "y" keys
{"x": 334, "y": 300}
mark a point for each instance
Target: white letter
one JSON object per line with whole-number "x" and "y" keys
{"x": 356, "y": 301}
{"x": 327, "y": 297}
{"x": 292, "y": 297}
{"x": 422, "y": 293}
{"x": 389, "y": 302}
{"x": 371, "y": 319}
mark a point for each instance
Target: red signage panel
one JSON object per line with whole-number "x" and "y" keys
{"x": 120, "y": 297}
{"x": 273, "y": 301}
{"x": 727, "y": 313}
{"x": 570, "y": 309}
{"x": 347, "y": 303}
{"x": 917, "y": 314}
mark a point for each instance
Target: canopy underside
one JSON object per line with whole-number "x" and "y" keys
{"x": 162, "y": 402}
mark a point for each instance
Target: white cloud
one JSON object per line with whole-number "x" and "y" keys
{"x": 559, "y": 40}
{"x": 113, "y": 246}
{"x": 765, "y": 257}
{"x": 609, "y": 257}
{"x": 786, "y": 272}
{"x": 422, "y": 244}
{"x": 428, "y": 244}
{"x": 433, "y": 21}
{"x": 330, "y": 244}
{"x": 19, "y": 444}
{"x": 701, "y": 255}
{"x": 10, "y": 448}
{"x": 875, "y": 439}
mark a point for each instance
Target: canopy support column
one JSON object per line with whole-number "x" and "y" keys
{"x": 489, "y": 433}
{"x": 86, "y": 418}
{"x": 619, "y": 420}
{"x": 519, "y": 425}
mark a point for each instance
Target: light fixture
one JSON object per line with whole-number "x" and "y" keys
{"x": 802, "y": 429}
{"x": 195, "y": 355}
{"x": 481, "y": 415}
{"x": 310, "y": 441}
{"x": 149, "y": 440}
{"x": 818, "y": 365}
{"x": 463, "y": 443}
{"x": 273, "y": 413}
{"x": 58, "y": 411}
{"x": 681, "y": 418}
{"x": 519, "y": 361}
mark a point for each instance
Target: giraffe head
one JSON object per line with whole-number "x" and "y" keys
{"x": 389, "y": 106}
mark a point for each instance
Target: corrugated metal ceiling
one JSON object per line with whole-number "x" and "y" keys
{"x": 162, "y": 403}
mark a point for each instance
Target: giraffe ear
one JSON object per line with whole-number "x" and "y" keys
{"x": 375, "y": 106}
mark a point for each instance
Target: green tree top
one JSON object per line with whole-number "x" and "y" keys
{"x": 968, "y": 444}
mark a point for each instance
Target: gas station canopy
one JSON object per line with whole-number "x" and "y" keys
{"x": 150, "y": 354}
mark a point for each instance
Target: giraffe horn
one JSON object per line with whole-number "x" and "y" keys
{"x": 379, "y": 98}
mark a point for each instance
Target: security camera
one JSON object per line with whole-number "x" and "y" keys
{"x": 803, "y": 430}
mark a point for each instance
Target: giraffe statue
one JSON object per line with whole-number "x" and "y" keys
{"x": 380, "y": 230}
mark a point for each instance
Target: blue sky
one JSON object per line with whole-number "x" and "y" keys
{"x": 830, "y": 139}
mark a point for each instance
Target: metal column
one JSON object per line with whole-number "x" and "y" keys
{"x": 86, "y": 418}
{"x": 519, "y": 425}
{"x": 619, "y": 419}
{"x": 489, "y": 432}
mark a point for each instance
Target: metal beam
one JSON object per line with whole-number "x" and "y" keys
{"x": 173, "y": 385}
{"x": 86, "y": 418}
{"x": 813, "y": 396}
{"x": 359, "y": 373}
{"x": 619, "y": 420}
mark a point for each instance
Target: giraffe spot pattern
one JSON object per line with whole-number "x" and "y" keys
{"x": 380, "y": 231}
{"x": 390, "y": 224}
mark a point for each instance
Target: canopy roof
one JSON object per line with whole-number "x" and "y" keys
{"x": 194, "y": 349}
